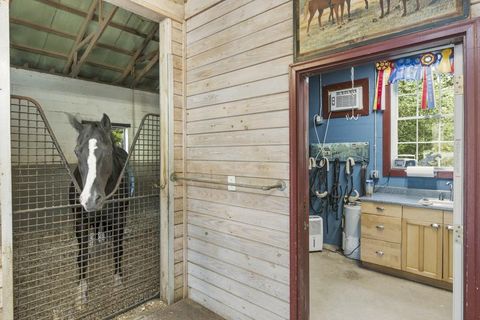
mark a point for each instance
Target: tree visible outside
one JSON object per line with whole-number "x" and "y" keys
{"x": 424, "y": 134}
{"x": 119, "y": 136}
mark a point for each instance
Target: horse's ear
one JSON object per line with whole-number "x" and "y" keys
{"x": 105, "y": 123}
{"x": 75, "y": 123}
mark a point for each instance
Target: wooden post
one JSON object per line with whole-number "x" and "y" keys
{"x": 166, "y": 162}
{"x": 5, "y": 163}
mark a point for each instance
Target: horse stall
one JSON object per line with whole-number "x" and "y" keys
{"x": 92, "y": 75}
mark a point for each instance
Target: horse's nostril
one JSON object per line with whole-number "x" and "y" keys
{"x": 98, "y": 198}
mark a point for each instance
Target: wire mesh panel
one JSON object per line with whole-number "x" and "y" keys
{"x": 69, "y": 263}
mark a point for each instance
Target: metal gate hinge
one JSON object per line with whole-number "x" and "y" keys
{"x": 458, "y": 84}
{"x": 458, "y": 233}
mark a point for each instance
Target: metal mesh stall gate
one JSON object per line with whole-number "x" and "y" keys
{"x": 46, "y": 240}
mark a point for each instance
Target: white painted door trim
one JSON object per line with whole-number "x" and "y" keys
{"x": 5, "y": 163}
{"x": 458, "y": 173}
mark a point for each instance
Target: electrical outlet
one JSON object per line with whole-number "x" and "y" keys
{"x": 374, "y": 174}
{"x": 231, "y": 179}
{"x": 318, "y": 119}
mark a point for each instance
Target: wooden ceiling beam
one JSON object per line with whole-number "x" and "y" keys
{"x": 66, "y": 35}
{"x": 81, "y": 13}
{"x": 137, "y": 54}
{"x": 80, "y": 35}
{"x": 98, "y": 33}
{"x": 145, "y": 70}
{"x": 63, "y": 56}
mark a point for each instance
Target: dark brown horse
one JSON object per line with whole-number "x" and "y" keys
{"x": 100, "y": 164}
{"x": 404, "y": 2}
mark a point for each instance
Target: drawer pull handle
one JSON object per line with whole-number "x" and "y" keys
{"x": 435, "y": 225}
{"x": 450, "y": 227}
{"x": 380, "y": 227}
{"x": 380, "y": 253}
{"x": 380, "y": 208}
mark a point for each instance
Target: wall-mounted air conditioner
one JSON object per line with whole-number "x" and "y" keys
{"x": 346, "y": 99}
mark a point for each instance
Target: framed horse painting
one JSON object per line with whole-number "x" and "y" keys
{"x": 327, "y": 26}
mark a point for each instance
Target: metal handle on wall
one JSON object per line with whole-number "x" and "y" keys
{"x": 280, "y": 185}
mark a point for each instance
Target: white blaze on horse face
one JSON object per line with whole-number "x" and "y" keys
{"x": 92, "y": 172}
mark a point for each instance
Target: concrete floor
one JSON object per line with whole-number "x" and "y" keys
{"x": 341, "y": 290}
{"x": 157, "y": 310}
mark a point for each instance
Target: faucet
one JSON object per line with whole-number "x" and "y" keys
{"x": 450, "y": 185}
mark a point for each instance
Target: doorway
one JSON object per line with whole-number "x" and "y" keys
{"x": 301, "y": 74}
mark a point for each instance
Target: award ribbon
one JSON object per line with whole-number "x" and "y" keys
{"x": 384, "y": 69}
{"x": 428, "y": 92}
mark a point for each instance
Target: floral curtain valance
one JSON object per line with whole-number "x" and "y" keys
{"x": 419, "y": 67}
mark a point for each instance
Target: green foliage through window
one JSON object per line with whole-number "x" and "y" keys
{"x": 426, "y": 135}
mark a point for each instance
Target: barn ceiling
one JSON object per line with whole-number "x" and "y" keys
{"x": 88, "y": 39}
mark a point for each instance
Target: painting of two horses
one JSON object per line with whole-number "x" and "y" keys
{"x": 329, "y": 25}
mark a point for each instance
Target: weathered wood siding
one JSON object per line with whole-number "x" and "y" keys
{"x": 238, "y": 53}
{"x": 178, "y": 36}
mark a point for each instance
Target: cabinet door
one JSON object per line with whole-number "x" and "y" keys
{"x": 448, "y": 247}
{"x": 422, "y": 252}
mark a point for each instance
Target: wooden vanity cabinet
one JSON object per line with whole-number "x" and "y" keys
{"x": 381, "y": 234}
{"x": 417, "y": 242}
{"x": 422, "y": 242}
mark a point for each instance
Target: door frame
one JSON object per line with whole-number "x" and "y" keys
{"x": 465, "y": 32}
{"x": 163, "y": 12}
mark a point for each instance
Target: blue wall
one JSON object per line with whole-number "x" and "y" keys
{"x": 341, "y": 130}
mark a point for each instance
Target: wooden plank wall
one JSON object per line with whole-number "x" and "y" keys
{"x": 178, "y": 37}
{"x": 238, "y": 53}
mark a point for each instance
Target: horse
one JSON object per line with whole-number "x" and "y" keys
{"x": 404, "y": 2}
{"x": 312, "y": 6}
{"x": 100, "y": 164}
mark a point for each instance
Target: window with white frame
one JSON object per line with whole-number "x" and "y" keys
{"x": 425, "y": 135}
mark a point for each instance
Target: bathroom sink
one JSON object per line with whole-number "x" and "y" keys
{"x": 433, "y": 202}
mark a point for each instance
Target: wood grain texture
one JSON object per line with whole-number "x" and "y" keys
{"x": 422, "y": 252}
{"x": 381, "y": 228}
{"x": 237, "y": 120}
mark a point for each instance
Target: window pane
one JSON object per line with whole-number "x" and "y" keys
{"x": 447, "y": 102}
{"x": 406, "y": 87}
{"x": 446, "y": 149}
{"x": 427, "y": 153}
{"x": 407, "y": 130}
{"x": 407, "y": 105}
{"x": 407, "y": 149}
{"x": 428, "y": 130}
{"x": 427, "y": 112}
{"x": 447, "y": 129}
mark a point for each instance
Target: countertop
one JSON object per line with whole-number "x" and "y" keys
{"x": 406, "y": 197}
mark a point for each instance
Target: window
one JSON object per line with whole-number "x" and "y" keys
{"x": 424, "y": 135}
{"x": 120, "y": 136}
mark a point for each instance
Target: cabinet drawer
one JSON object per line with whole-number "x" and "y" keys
{"x": 423, "y": 214}
{"x": 391, "y": 210}
{"x": 381, "y": 228}
{"x": 381, "y": 252}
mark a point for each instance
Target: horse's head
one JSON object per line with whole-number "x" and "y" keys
{"x": 94, "y": 152}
